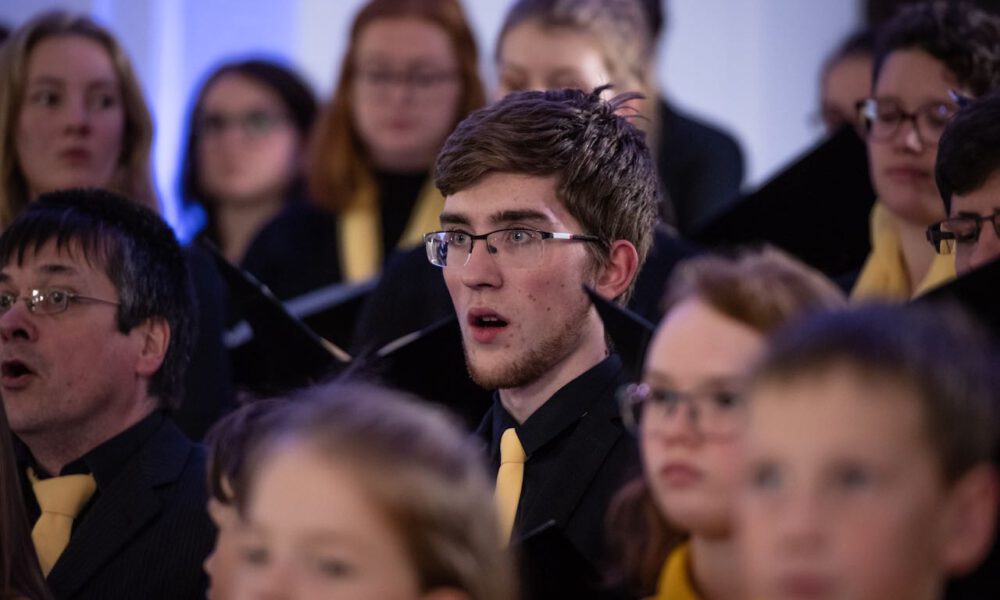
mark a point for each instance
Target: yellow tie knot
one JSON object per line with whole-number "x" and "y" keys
{"x": 60, "y": 499}
{"x": 511, "y": 450}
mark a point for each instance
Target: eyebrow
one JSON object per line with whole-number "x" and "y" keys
{"x": 502, "y": 217}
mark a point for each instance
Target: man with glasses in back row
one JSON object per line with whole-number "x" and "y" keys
{"x": 95, "y": 333}
{"x": 922, "y": 57}
{"x": 545, "y": 192}
{"x": 968, "y": 176}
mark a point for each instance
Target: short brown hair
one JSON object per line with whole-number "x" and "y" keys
{"x": 762, "y": 289}
{"x": 338, "y": 160}
{"x": 605, "y": 175}
{"x": 417, "y": 468}
{"x": 937, "y": 352}
{"x": 133, "y": 178}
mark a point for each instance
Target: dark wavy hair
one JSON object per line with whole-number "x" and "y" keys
{"x": 298, "y": 100}
{"x": 963, "y": 37}
{"x": 969, "y": 149}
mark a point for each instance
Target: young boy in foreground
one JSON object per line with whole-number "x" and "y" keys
{"x": 869, "y": 454}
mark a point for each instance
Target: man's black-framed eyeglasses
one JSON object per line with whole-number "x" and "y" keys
{"x": 948, "y": 234}
{"x": 48, "y": 301}
{"x": 511, "y": 247}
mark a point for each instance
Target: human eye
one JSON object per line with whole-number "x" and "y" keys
{"x": 458, "y": 238}
{"x": 937, "y": 115}
{"x": 964, "y": 229}
{"x": 726, "y": 400}
{"x": 888, "y": 113}
{"x": 7, "y": 300}
{"x": 664, "y": 397}
{"x": 766, "y": 476}
{"x": 103, "y": 100}
{"x": 258, "y": 122}
{"x": 520, "y": 237}
{"x": 44, "y": 97}
{"x": 211, "y": 123}
{"x": 255, "y": 554}
{"x": 332, "y": 566}
{"x": 852, "y": 477}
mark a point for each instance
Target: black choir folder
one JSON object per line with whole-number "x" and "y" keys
{"x": 428, "y": 362}
{"x": 817, "y": 209}
{"x": 977, "y": 291}
{"x": 630, "y": 333}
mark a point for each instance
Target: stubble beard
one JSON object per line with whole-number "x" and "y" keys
{"x": 538, "y": 358}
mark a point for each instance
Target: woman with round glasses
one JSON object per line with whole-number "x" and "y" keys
{"x": 409, "y": 76}
{"x": 688, "y": 414}
{"x": 924, "y": 55}
{"x": 243, "y": 167}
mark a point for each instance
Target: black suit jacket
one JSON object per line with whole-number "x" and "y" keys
{"x": 147, "y": 534}
{"x": 583, "y": 468}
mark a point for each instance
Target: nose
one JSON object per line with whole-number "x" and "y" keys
{"x": 17, "y": 324}
{"x": 909, "y": 136}
{"x": 799, "y": 524}
{"x": 481, "y": 270}
{"x": 76, "y": 115}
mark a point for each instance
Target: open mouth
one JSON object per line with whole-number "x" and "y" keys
{"x": 488, "y": 321}
{"x": 13, "y": 372}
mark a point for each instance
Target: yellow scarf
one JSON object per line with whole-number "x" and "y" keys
{"x": 359, "y": 229}
{"x": 675, "y": 578}
{"x": 884, "y": 274}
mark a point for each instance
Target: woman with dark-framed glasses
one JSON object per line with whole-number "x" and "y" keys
{"x": 688, "y": 413}
{"x": 923, "y": 57}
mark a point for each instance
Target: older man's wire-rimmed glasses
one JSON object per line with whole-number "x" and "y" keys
{"x": 715, "y": 412}
{"x": 512, "y": 247}
{"x": 49, "y": 301}
{"x": 948, "y": 234}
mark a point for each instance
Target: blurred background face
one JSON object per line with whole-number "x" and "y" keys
{"x": 902, "y": 167}
{"x": 405, "y": 93}
{"x": 222, "y": 564}
{"x": 844, "y": 497}
{"x": 847, "y": 82}
{"x": 248, "y": 148}
{"x": 71, "y": 121}
{"x": 534, "y": 58}
{"x": 313, "y": 534}
{"x": 693, "y": 474}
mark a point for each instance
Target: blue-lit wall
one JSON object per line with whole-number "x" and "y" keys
{"x": 749, "y": 65}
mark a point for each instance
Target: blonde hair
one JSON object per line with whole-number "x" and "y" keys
{"x": 416, "y": 467}
{"x": 133, "y": 177}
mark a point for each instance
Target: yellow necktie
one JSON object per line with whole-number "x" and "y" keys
{"x": 60, "y": 499}
{"x": 509, "y": 479}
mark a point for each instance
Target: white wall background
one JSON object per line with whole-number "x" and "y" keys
{"x": 750, "y": 66}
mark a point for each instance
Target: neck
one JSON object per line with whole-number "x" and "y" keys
{"x": 239, "y": 222}
{"x": 53, "y": 450}
{"x": 403, "y": 162}
{"x": 521, "y": 402}
{"x": 917, "y": 253}
{"x": 715, "y": 567}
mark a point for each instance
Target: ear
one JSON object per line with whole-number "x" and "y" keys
{"x": 445, "y": 593}
{"x": 154, "y": 338}
{"x": 971, "y": 519}
{"x": 619, "y": 271}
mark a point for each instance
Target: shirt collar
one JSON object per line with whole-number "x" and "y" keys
{"x": 569, "y": 403}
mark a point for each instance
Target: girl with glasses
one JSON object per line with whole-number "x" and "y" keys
{"x": 688, "y": 415}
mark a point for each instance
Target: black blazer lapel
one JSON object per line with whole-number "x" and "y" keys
{"x": 592, "y": 441}
{"x": 121, "y": 511}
